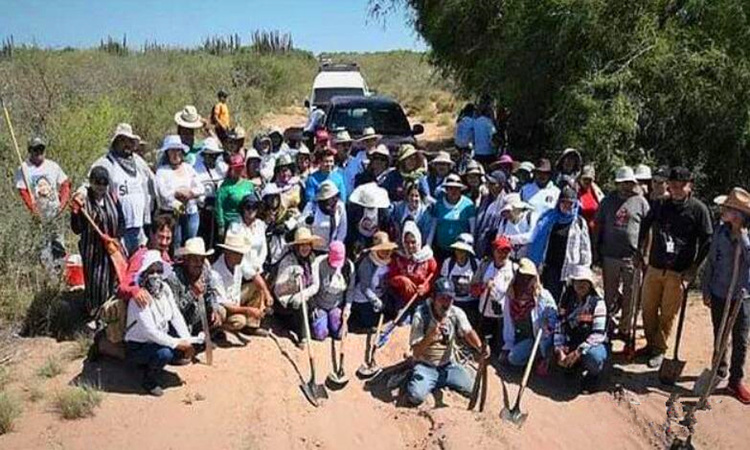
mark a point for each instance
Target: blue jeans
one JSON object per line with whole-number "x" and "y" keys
{"x": 131, "y": 239}
{"x": 521, "y": 352}
{"x": 425, "y": 379}
{"x": 153, "y": 356}
{"x": 185, "y": 228}
{"x": 594, "y": 359}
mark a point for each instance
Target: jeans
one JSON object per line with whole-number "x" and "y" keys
{"x": 153, "y": 356}
{"x": 739, "y": 337}
{"x": 594, "y": 359}
{"x": 131, "y": 239}
{"x": 185, "y": 228}
{"x": 521, "y": 352}
{"x": 425, "y": 379}
{"x": 325, "y": 323}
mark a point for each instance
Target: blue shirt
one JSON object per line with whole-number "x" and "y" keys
{"x": 451, "y": 220}
{"x": 394, "y": 183}
{"x": 484, "y": 129}
{"x": 717, "y": 273}
{"x": 464, "y": 132}
{"x": 314, "y": 179}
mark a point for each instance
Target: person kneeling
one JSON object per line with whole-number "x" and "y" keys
{"x": 331, "y": 274}
{"x": 147, "y": 340}
{"x": 581, "y": 333}
{"x": 434, "y": 329}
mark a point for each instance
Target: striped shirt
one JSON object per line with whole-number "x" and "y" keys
{"x": 582, "y": 324}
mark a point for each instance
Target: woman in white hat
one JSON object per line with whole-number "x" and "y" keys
{"x": 287, "y": 182}
{"x": 440, "y": 166}
{"x": 188, "y": 121}
{"x": 179, "y": 189}
{"x": 452, "y": 214}
{"x": 473, "y": 178}
{"x": 414, "y": 207}
{"x": 253, "y": 162}
{"x": 581, "y": 334}
{"x": 517, "y": 223}
{"x": 371, "y": 282}
{"x": 367, "y": 213}
{"x": 326, "y": 216}
{"x": 460, "y": 269}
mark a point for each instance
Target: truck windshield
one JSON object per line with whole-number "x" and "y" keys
{"x": 322, "y": 96}
{"x": 387, "y": 119}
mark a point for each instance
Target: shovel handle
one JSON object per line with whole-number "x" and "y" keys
{"x": 727, "y": 302}
{"x": 377, "y": 338}
{"x": 680, "y": 323}
{"x": 529, "y": 365}
{"x": 307, "y": 328}
{"x": 24, "y": 172}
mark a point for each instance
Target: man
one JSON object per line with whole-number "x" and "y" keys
{"x": 541, "y": 193}
{"x": 440, "y": 166}
{"x": 681, "y": 236}
{"x": 717, "y": 277}
{"x": 659, "y": 180}
{"x": 327, "y": 170}
{"x": 643, "y": 175}
{"x": 618, "y": 227}
{"x": 484, "y": 134}
{"x": 195, "y": 286}
{"x": 188, "y": 120}
{"x": 436, "y": 325}
{"x": 376, "y": 166}
{"x": 160, "y": 239}
{"x": 131, "y": 181}
{"x": 349, "y": 165}
{"x": 239, "y": 311}
{"x": 220, "y": 115}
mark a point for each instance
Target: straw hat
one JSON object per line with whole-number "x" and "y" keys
{"x": 474, "y": 168}
{"x": 341, "y": 137}
{"x": 237, "y": 133}
{"x": 188, "y": 118}
{"x": 527, "y": 267}
{"x": 381, "y": 242}
{"x": 581, "y": 273}
{"x": 527, "y": 166}
{"x": 235, "y": 242}
{"x": 453, "y": 180}
{"x": 173, "y": 141}
{"x": 370, "y": 195}
{"x": 543, "y": 166}
{"x": 326, "y": 190}
{"x": 124, "y": 129}
{"x": 406, "y": 151}
{"x": 211, "y": 145}
{"x": 369, "y": 134}
{"x": 380, "y": 150}
{"x": 442, "y": 157}
{"x": 465, "y": 242}
{"x": 284, "y": 160}
{"x": 738, "y": 199}
{"x": 252, "y": 154}
{"x": 304, "y": 236}
{"x": 513, "y": 201}
{"x": 195, "y": 246}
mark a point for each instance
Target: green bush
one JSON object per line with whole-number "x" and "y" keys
{"x": 9, "y": 412}
{"x": 77, "y": 402}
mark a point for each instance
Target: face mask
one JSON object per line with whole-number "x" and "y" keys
{"x": 153, "y": 284}
{"x": 369, "y": 223}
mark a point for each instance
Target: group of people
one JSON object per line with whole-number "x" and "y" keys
{"x": 221, "y": 234}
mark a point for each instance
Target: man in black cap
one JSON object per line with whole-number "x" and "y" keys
{"x": 681, "y": 232}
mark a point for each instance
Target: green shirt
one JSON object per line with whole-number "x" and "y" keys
{"x": 228, "y": 198}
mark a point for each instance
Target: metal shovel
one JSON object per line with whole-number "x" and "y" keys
{"x": 479, "y": 391}
{"x": 671, "y": 369}
{"x": 514, "y": 415}
{"x": 311, "y": 389}
{"x": 369, "y": 369}
{"x": 337, "y": 379}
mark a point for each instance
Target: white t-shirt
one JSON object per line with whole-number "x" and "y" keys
{"x": 460, "y": 276}
{"x": 169, "y": 181}
{"x": 484, "y": 129}
{"x": 210, "y": 178}
{"x": 501, "y": 279}
{"x": 230, "y": 290}
{"x": 132, "y": 190}
{"x": 255, "y": 236}
{"x": 45, "y": 180}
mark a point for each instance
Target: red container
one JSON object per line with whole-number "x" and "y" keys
{"x": 74, "y": 272}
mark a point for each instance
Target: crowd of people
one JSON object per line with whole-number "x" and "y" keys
{"x": 223, "y": 235}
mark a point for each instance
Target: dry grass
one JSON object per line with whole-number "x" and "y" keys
{"x": 77, "y": 402}
{"x": 10, "y": 409}
{"x": 51, "y": 368}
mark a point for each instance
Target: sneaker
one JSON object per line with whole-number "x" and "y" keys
{"x": 154, "y": 390}
{"x": 740, "y": 392}
{"x": 655, "y": 361}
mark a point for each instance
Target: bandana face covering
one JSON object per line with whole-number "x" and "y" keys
{"x": 368, "y": 225}
{"x": 153, "y": 284}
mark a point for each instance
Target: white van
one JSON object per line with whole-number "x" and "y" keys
{"x": 336, "y": 80}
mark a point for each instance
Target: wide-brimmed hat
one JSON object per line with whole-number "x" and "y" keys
{"x": 188, "y": 118}
{"x": 36, "y": 142}
{"x": 303, "y": 236}
{"x": 303, "y": 150}
{"x": 196, "y": 247}
{"x": 380, "y": 150}
{"x": 125, "y": 130}
{"x": 406, "y": 151}
{"x": 474, "y": 168}
{"x": 527, "y": 267}
{"x": 173, "y": 142}
{"x": 453, "y": 180}
{"x": 235, "y": 242}
{"x": 643, "y": 172}
{"x": 465, "y": 242}
{"x": 738, "y": 199}
{"x": 252, "y": 154}
{"x": 284, "y": 160}
{"x": 625, "y": 174}
{"x": 369, "y": 134}
{"x": 581, "y": 272}
{"x": 237, "y": 133}
{"x": 370, "y": 195}
{"x": 270, "y": 189}
{"x": 588, "y": 172}
{"x": 543, "y": 165}
{"x": 341, "y": 137}
{"x": 442, "y": 157}
{"x": 381, "y": 242}
{"x": 504, "y": 160}
{"x": 527, "y": 166}
{"x": 513, "y": 201}
{"x": 326, "y": 190}
{"x": 211, "y": 145}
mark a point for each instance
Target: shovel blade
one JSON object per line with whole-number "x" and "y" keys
{"x": 670, "y": 371}
{"x": 514, "y": 416}
{"x": 702, "y": 383}
{"x": 336, "y": 381}
{"x": 365, "y": 372}
{"x": 309, "y": 394}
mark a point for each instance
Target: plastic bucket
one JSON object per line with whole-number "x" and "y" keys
{"x": 74, "y": 272}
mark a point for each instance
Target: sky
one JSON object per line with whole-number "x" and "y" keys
{"x": 316, "y": 25}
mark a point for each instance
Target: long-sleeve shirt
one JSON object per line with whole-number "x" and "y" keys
{"x": 499, "y": 278}
{"x": 618, "y": 225}
{"x": 228, "y": 198}
{"x": 169, "y": 181}
{"x": 370, "y": 283}
{"x": 540, "y": 198}
{"x": 130, "y": 288}
{"x": 328, "y": 228}
{"x": 150, "y": 324}
{"x": 582, "y": 325}
{"x": 316, "y": 178}
{"x": 330, "y": 287}
{"x": 717, "y": 272}
{"x": 544, "y": 315}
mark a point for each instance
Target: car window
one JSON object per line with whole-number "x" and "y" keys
{"x": 324, "y": 95}
{"x": 385, "y": 119}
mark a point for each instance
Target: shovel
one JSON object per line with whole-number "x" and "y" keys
{"x": 383, "y": 338}
{"x": 479, "y": 391}
{"x": 629, "y": 350}
{"x": 705, "y": 382}
{"x": 514, "y": 415}
{"x": 337, "y": 379}
{"x": 671, "y": 369}
{"x": 311, "y": 389}
{"x": 370, "y": 368}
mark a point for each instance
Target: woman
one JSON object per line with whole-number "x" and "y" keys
{"x": 179, "y": 188}
{"x": 412, "y": 269}
{"x": 252, "y": 168}
{"x": 230, "y": 194}
{"x": 253, "y": 230}
{"x": 464, "y": 136}
{"x": 290, "y": 186}
{"x": 211, "y": 170}
{"x": 370, "y": 288}
{"x": 440, "y": 167}
{"x": 326, "y": 171}
{"x": 410, "y": 168}
{"x": 280, "y": 222}
{"x": 99, "y": 274}
{"x": 569, "y": 165}
{"x": 517, "y": 223}
{"x": 473, "y": 177}
{"x": 581, "y": 333}
{"x": 326, "y": 216}
{"x": 332, "y": 281}
{"x": 460, "y": 269}
{"x": 304, "y": 163}
{"x": 294, "y": 275}
{"x": 589, "y": 196}
{"x": 367, "y": 213}
{"x": 377, "y": 164}
{"x": 414, "y": 207}
{"x": 489, "y": 212}
{"x": 452, "y": 215}
{"x": 528, "y": 308}
{"x": 560, "y": 242}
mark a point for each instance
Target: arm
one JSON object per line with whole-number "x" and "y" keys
{"x": 28, "y": 200}
{"x": 144, "y": 319}
{"x": 598, "y": 328}
{"x": 64, "y": 192}
{"x": 310, "y": 291}
{"x": 219, "y": 210}
{"x": 341, "y": 229}
{"x": 196, "y": 187}
{"x": 708, "y": 272}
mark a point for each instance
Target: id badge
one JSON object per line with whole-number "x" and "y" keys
{"x": 670, "y": 246}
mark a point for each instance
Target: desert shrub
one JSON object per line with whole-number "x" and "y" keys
{"x": 51, "y": 368}
{"x": 77, "y": 402}
{"x": 10, "y": 409}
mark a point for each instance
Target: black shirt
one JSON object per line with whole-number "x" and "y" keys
{"x": 681, "y": 233}
{"x": 557, "y": 245}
